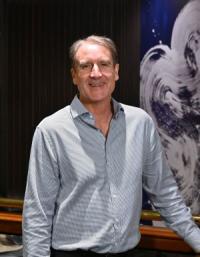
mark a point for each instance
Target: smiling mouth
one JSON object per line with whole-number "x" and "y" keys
{"x": 96, "y": 84}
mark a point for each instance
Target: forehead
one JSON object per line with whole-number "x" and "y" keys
{"x": 91, "y": 51}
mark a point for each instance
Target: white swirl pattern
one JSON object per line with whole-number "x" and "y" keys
{"x": 170, "y": 93}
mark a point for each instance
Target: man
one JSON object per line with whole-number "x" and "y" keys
{"x": 88, "y": 164}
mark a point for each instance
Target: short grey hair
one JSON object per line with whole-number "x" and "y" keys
{"x": 98, "y": 40}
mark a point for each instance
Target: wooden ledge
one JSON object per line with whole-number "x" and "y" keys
{"x": 11, "y": 223}
{"x": 164, "y": 239}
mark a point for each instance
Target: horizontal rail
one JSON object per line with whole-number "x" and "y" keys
{"x": 146, "y": 214}
{"x": 154, "y": 215}
{"x": 11, "y": 203}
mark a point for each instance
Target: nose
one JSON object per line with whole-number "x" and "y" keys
{"x": 95, "y": 72}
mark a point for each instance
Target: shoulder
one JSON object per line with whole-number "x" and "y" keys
{"x": 136, "y": 112}
{"x": 56, "y": 120}
{"x": 139, "y": 119}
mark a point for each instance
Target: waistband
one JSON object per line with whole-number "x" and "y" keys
{"x": 84, "y": 253}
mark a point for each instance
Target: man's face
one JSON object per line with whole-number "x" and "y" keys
{"x": 94, "y": 73}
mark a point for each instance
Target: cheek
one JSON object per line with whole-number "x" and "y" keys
{"x": 81, "y": 84}
{"x": 77, "y": 80}
{"x": 114, "y": 78}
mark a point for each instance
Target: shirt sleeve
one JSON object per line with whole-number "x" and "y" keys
{"x": 159, "y": 183}
{"x": 39, "y": 201}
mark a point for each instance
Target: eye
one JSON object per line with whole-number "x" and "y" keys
{"x": 85, "y": 66}
{"x": 105, "y": 64}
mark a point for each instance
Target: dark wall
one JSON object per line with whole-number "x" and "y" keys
{"x": 35, "y": 79}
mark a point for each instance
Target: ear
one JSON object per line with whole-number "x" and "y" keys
{"x": 74, "y": 76}
{"x": 116, "y": 71}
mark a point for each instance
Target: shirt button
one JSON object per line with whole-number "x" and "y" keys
{"x": 116, "y": 226}
{"x": 107, "y": 163}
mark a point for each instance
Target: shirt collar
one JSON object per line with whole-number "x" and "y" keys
{"x": 78, "y": 109}
{"x": 117, "y": 107}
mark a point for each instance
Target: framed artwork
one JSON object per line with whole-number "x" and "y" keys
{"x": 170, "y": 86}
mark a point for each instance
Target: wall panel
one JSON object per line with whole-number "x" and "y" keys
{"x": 35, "y": 78}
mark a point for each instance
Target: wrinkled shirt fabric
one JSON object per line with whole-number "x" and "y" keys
{"x": 84, "y": 191}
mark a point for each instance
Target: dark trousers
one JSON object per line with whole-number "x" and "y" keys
{"x": 82, "y": 253}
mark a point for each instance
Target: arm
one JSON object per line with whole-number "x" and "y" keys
{"x": 162, "y": 189}
{"x": 40, "y": 196}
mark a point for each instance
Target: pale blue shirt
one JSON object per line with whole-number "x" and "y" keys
{"x": 84, "y": 191}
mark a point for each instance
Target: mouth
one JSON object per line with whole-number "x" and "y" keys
{"x": 96, "y": 84}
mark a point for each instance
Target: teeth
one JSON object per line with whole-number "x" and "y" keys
{"x": 95, "y": 85}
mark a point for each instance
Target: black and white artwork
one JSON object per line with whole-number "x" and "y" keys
{"x": 170, "y": 93}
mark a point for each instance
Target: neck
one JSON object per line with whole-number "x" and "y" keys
{"x": 98, "y": 108}
{"x": 102, "y": 113}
